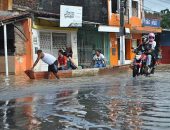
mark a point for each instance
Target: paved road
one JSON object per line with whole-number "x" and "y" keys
{"x": 89, "y": 103}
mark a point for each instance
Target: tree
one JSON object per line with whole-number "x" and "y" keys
{"x": 165, "y": 22}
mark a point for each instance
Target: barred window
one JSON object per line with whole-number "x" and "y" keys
{"x": 135, "y": 8}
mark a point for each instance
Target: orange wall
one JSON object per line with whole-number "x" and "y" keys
{"x": 135, "y": 21}
{"x": 6, "y": 4}
{"x": 128, "y": 49}
{"x": 28, "y": 30}
{"x": 113, "y": 45}
{"x": 115, "y": 20}
{"x": 25, "y": 62}
{"x": 20, "y": 64}
{"x": 136, "y": 36}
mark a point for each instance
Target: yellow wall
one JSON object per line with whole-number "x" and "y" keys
{"x": 44, "y": 24}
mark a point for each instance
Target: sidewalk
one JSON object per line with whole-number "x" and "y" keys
{"x": 163, "y": 67}
{"x": 90, "y": 72}
{"x": 80, "y": 73}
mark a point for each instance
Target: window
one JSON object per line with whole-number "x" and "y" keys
{"x": 135, "y": 8}
{"x": 45, "y": 41}
{"x": 51, "y": 42}
{"x": 114, "y": 6}
{"x": 59, "y": 40}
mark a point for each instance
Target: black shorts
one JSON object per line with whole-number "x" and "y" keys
{"x": 53, "y": 68}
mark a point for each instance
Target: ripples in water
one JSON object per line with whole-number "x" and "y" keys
{"x": 95, "y": 103}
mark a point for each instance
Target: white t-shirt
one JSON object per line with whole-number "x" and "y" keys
{"x": 100, "y": 57}
{"x": 48, "y": 59}
{"x": 153, "y": 45}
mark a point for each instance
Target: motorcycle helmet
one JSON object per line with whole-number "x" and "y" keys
{"x": 151, "y": 37}
{"x": 144, "y": 39}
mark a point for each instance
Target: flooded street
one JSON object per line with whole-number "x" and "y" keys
{"x": 87, "y": 103}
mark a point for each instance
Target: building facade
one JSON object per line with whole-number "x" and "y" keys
{"x": 100, "y": 30}
{"x": 15, "y": 40}
{"x": 50, "y": 37}
{"x": 165, "y": 46}
{"x": 134, "y": 28}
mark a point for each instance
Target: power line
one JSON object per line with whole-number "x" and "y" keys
{"x": 158, "y": 3}
{"x": 164, "y": 1}
{"x": 148, "y": 8}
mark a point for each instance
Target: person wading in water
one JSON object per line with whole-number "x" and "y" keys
{"x": 48, "y": 59}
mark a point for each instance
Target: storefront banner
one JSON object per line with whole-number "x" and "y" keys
{"x": 151, "y": 22}
{"x": 70, "y": 16}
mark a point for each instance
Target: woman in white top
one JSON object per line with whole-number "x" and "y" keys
{"x": 48, "y": 59}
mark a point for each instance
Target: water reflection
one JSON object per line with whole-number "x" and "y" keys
{"x": 29, "y": 112}
{"x": 6, "y": 114}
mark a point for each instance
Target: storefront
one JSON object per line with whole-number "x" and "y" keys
{"x": 114, "y": 44}
{"x": 50, "y": 39}
{"x": 90, "y": 40}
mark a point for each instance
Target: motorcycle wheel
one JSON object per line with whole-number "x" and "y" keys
{"x": 135, "y": 71}
{"x": 153, "y": 71}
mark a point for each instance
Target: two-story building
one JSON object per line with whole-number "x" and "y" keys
{"x": 134, "y": 27}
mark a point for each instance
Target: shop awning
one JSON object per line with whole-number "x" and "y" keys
{"x": 10, "y": 17}
{"x": 103, "y": 28}
{"x": 49, "y": 19}
{"x": 146, "y": 29}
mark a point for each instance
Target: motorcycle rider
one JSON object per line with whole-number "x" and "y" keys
{"x": 147, "y": 46}
{"x": 142, "y": 47}
{"x": 151, "y": 51}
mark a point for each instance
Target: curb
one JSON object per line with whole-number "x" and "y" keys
{"x": 85, "y": 72}
{"x": 163, "y": 67}
{"x": 79, "y": 73}
{"x": 114, "y": 69}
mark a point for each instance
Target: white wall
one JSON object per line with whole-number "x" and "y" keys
{"x": 74, "y": 46}
{"x": 71, "y": 41}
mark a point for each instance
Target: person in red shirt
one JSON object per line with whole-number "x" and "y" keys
{"x": 62, "y": 60}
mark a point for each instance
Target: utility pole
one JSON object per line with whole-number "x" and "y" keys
{"x": 6, "y": 51}
{"x": 122, "y": 33}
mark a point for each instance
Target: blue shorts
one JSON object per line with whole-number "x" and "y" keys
{"x": 54, "y": 67}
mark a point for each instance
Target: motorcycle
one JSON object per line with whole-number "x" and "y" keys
{"x": 139, "y": 64}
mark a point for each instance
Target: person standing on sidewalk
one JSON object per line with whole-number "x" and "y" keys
{"x": 48, "y": 59}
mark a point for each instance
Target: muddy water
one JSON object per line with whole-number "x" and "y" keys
{"x": 89, "y": 103}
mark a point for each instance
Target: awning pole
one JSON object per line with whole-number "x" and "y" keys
{"x": 6, "y": 52}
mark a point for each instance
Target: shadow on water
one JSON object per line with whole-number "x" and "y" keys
{"x": 95, "y": 103}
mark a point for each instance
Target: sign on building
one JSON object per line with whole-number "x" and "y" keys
{"x": 70, "y": 16}
{"x": 152, "y": 22}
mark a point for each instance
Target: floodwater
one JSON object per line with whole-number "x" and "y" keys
{"x": 90, "y": 103}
